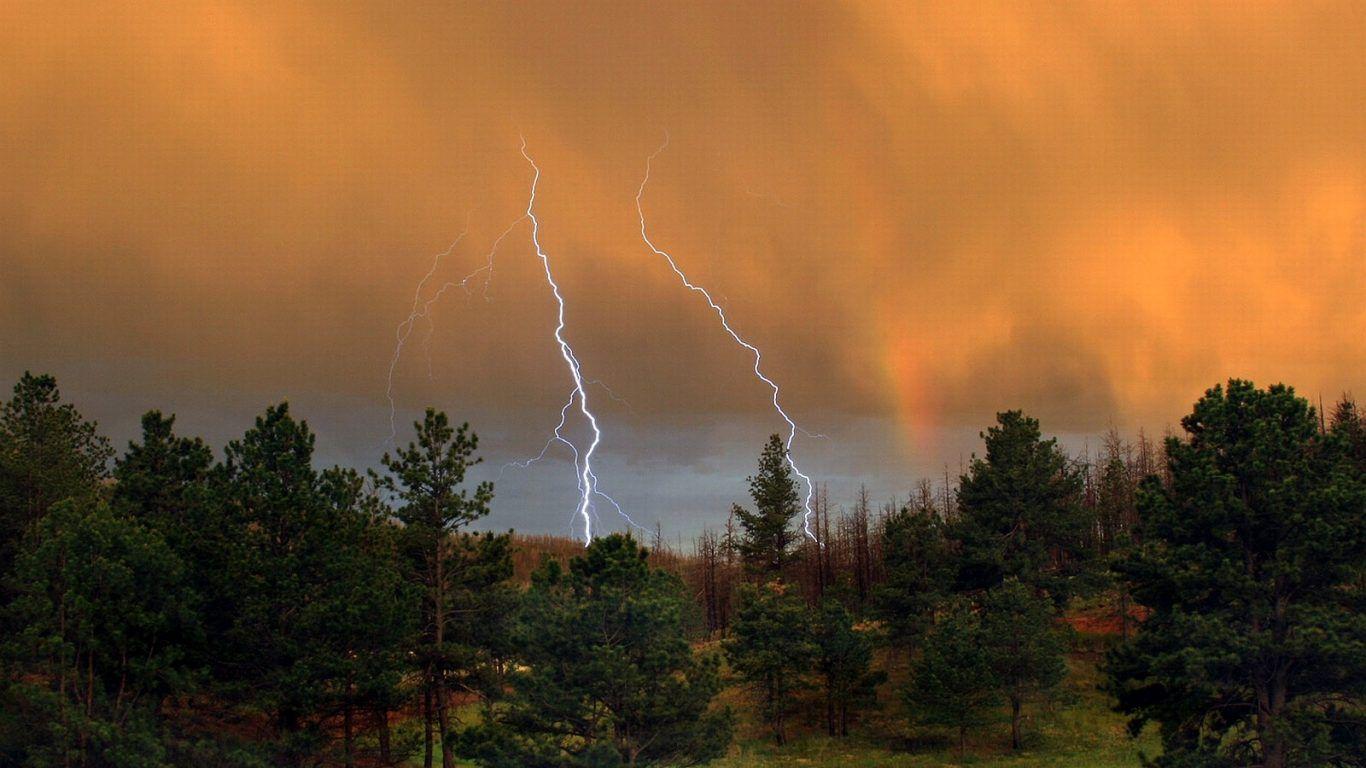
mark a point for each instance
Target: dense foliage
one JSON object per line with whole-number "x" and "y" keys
{"x": 1255, "y": 652}
{"x": 606, "y": 675}
{"x": 167, "y": 608}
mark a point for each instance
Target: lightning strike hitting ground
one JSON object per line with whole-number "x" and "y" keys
{"x": 792, "y": 427}
{"x": 588, "y": 481}
{"x": 586, "y": 478}
{"x": 557, "y": 436}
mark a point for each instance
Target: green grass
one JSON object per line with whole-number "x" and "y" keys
{"x": 1076, "y": 731}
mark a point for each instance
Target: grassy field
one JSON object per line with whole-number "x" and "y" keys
{"x": 1077, "y": 730}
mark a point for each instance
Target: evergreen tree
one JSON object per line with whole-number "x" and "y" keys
{"x": 481, "y": 644}
{"x": 772, "y": 651}
{"x": 844, "y": 661}
{"x": 163, "y": 483}
{"x": 1020, "y": 513}
{"x": 48, "y": 452}
{"x": 103, "y": 603}
{"x": 607, "y": 677}
{"x": 766, "y": 545}
{"x": 367, "y": 616}
{"x": 1255, "y": 649}
{"x": 1025, "y": 652}
{"x": 302, "y": 587}
{"x": 160, "y": 479}
{"x": 1349, "y": 425}
{"x": 919, "y": 568}
{"x": 428, "y": 477}
{"x": 953, "y": 681}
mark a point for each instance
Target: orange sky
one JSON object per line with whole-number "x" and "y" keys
{"x": 923, "y": 213}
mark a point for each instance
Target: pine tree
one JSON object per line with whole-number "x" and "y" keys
{"x": 160, "y": 479}
{"x": 844, "y": 661}
{"x": 1020, "y": 513}
{"x": 772, "y": 651}
{"x": 766, "y": 545}
{"x": 1349, "y": 425}
{"x": 953, "y": 681}
{"x": 367, "y": 614}
{"x": 1255, "y": 649}
{"x": 1025, "y": 652}
{"x": 103, "y": 605}
{"x": 428, "y": 477}
{"x": 48, "y": 452}
{"x": 302, "y": 586}
{"x": 607, "y": 676}
{"x": 919, "y": 571}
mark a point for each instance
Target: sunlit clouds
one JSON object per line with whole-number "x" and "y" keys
{"x": 922, "y": 213}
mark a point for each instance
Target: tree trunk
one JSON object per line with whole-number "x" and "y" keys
{"x": 778, "y": 735}
{"x": 427, "y": 721}
{"x": 1015, "y": 724}
{"x": 1270, "y": 701}
{"x": 382, "y": 728}
{"x": 443, "y": 722}
{"x": 439, "y": 673}
{"x": 962, "y": 740}
{"x": 348, "y": 733}
{"x": 829, "y": 707}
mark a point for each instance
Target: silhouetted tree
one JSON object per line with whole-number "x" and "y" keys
{"x": 48, "y": 452}
{"x": 1349, "y": 425}
{"x": 303, "y": 586}
{"x": 766, "y": 543}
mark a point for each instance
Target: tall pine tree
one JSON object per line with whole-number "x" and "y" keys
{"x": 766, "y": 545}
{"x": 428, "y": 476}
{"x": 1020, "y": 513}
{"x": 1255, "y": 649}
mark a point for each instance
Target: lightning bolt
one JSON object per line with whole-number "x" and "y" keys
{"x": 583, "y": 460}
{"x": 421, "y": 309}
{"x": 792, "y": 427}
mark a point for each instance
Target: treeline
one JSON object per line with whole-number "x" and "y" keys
{"x": 847, "y": 559}
{"x": 166, "y": 607}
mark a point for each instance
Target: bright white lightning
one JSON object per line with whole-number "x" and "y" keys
{"x": 792, "y": 427}
{"x": 583, "y": 461}
{"x": 422, "y": 309}
{"x": 557, "y": 436}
